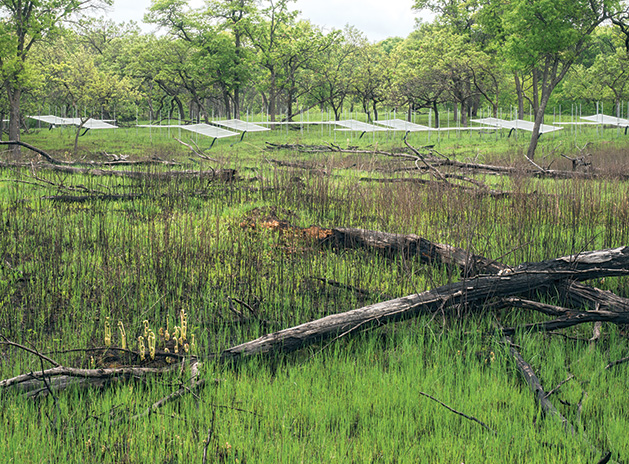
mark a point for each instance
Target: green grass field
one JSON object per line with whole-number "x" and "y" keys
{"x": 193, "y": 244}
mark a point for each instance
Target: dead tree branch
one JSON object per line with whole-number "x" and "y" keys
{"x": 536, "y": 387}
{"x": 48, "y": 158}
{"x": 472, "y": 418}
{"x": 473, "y": 293}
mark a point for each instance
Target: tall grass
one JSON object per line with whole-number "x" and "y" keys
{"x": 189, "y": 244}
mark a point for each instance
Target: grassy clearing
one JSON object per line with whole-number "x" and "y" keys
{"x": 189, "y": 244}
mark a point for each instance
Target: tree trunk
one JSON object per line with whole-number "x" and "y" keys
{"x": 535, "y": 98}
{"x": 539, "y": 120}
{"x": 520, "y": 94}
{"x": 464, "y": 113}
{"x": 236, "y": 104}
{"x": 436, "y": 109}
{"x": 15, "y": 96}
{"x": 272, "y": 98}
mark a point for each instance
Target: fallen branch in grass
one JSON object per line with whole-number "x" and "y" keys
{"x": 478, "y": 191}
{"x": 536, "y": 386}
{"x": 472, "y": 418}
{"x": 196, "y": 151}
{"x": 8, "y": 342}
{"x": 94, "y": 197}
{"x": 473, "y": 293}
{"x": 411, "y": 245}
{"x": 618, "y": 362}
{"x": 573, "y": 293}
{"x": 116, "y": 162}
{"x": 222, "y": 174}
{"x": 299, "y": 165}
{"x": 561, "y": 384}
{"x": 435, "y": 162}
{"x": 39, "y": 151}
{"x": 196, "y": 385}
{"x": 572, "y": 318}
{"x": 99, "y": 374}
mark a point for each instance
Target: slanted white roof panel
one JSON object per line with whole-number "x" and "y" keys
{"x": 520, "y": 124}
{"x": 604, "y": 119}
{"x": 353, "y": 125}
{"x": 49, "y": 119}
{"x": 96, "y": 124}
{"x": 495, "y": 122}
{"x": 400, "y": 124}
{"x": 239, "y": 125}
{"x": 528, "y": 126}
{"x": 209, "y": 131}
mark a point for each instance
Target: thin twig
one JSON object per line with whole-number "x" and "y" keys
{"x": 200, "y": 155}
{"x": 472, "y": 418}
{"x": 615, "y": 363}
{"x": 242, "y": 303}
{"x": 35, "y": 352}
{"x": 554, "y": 390}
{"x": 210, "y": 432}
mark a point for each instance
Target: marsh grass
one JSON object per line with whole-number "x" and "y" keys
{"x": 189, "y": 244}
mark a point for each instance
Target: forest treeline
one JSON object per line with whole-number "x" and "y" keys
{"x": 235, "y": 56}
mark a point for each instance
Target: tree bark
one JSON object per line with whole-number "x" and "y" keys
{"x": 415, "y": 245}
{"x": 520, "y": 94}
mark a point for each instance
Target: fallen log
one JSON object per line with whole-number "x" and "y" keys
{"x": 94, "y": 374}
{"x": 572, "y": 293}
{"x": 412, "y": 244}
{"x": 473, "y": 293}
{"x": 569, "y": 318}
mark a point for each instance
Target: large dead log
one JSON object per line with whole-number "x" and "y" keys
{"x": 573, "y": 293}
{"x": 411, "y": 244}
{"x": 473, "y": 293}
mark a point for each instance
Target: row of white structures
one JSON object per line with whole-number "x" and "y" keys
{"x": 234, "y": 127}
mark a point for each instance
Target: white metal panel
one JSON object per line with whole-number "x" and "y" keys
{"x": 528, "y": 126}
{"x": 495, "y": 122}
{"x": 209, "y": 131}
{"x": 400, "y": 124}
{"x": 96, "y": 124}
{"x": 604, "y": 119}
{"x": 518, "y": 124}
{"x": 242, "y": 126}
{"x": 353, "y": 125}
{"x": 49, "y": 119}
